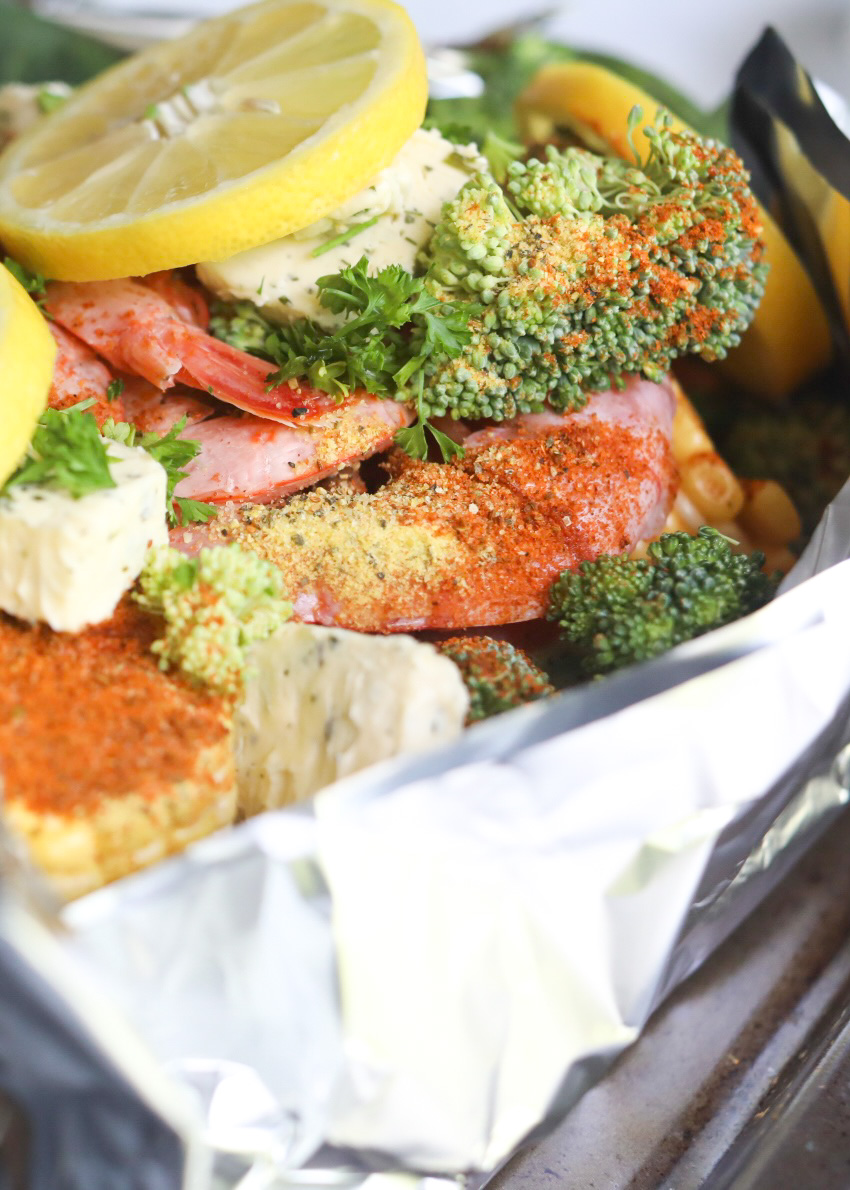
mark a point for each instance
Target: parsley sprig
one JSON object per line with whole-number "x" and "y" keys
{"x": 392, "y": 327}
{"x": 173, "y": 453}
{"x": 33, "y": 283}
{"x": 414, "y": 439}
{"x": 68, "y": 452}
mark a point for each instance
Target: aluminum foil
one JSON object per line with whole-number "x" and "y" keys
{"x": 440, "y": 955}
{"x": 792, "y": 133}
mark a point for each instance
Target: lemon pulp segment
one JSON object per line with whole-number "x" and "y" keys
{"x": 27, "y": 351}
{"x": 789, "y": 338}
{"x": 251, "y": 126}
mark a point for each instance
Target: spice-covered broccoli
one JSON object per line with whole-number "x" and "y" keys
{"x": 589, "y": 267}
{"x": 214, "y": 607}
{"x": 618, "y": 610}
{"x": 497, "y": 675}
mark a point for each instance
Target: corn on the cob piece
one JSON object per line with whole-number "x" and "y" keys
{"x": 757, "y": 513}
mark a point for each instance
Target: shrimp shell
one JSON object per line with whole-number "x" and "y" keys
{"x": 477, "y": 541}
{"x": 138, "y": 331}
{"x": 78, "y": 375}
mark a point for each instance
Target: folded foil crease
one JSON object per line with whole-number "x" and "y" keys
{"x": 800, "y": 162}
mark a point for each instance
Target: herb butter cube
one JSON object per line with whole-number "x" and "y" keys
{"x": 321, "y": 703}
{"x": 68, "y": 561}
{"x": 405, "y": 200}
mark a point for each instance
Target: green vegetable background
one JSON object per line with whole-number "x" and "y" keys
{"x": 36, "y": 51}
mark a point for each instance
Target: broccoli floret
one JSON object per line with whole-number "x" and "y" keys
{"x": 241, "y": 325}
{"x": 497, "y": 675}
{"x": 564, "y": 184}
{"x": 590, "y": 267}
{"x": 618, "y": 610}
{"x": 805, "y": 447}
{"x": 214, "y": 607}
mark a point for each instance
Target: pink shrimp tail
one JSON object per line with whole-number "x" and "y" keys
{"x": 138, "y": 331}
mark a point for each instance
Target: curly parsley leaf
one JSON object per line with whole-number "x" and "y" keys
{"x": 33, "y": 283}
{"x": 172, "y": 453}
{"x": 392, "y": 326}
{"x": 66, "y": 453}
{"x": 414, "y": 439}
{"x": 379, "y": 302}
{"x": 192, "y": 512}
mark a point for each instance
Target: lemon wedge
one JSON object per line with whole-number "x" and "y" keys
{"x": 27, "y": 351}
{"x": 789, "y": 338}
{"x": 251, "y": 126}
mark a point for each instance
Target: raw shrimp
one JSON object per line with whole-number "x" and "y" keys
{"x": 243, "y": 457}
{"x": 78, "y": 375}
{"x": 149, "y": 409}
{"x": 250, "y": 458}
{"x": 138, "y": 331}
{"x": 187, "y": 302}
{"x": 152, "y": 330}
{"x": 477, "y": 541}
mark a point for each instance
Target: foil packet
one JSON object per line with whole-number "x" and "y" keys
{"x": 428, "y": 965}
{"x": 436, "y": 958}
{"x": 793, "y": 134}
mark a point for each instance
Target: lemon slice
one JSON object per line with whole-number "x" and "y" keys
{"x": 789, "y": 338}
{"x": 27, "y": 351}
{"x": 249, "y": 127}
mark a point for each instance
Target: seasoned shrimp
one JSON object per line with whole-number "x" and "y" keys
{"x": 243, "y": 457}
{"x": 187, "y": 302}
{"x": 477, "y": 541}
{"x": 138, "y": 331}
{"x": 149, "y": 409}
{"x": 78, "y": 375}
{"x": 250, "y": 458}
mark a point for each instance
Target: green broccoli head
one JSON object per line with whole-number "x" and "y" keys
{"x": 469, "y": 247}
{"x": 564, "y": 184}
{"x": 589, "y": 267}
{"x": 618, "y": 610}
{"x": 214, "y": 607}
{"x": 497, "y": 675}
{"x": 241, "y": 325}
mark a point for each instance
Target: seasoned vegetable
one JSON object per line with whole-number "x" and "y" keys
{"x": 214, "y": 607}
{"x": 588, "y": 266}
{"x": 498, "y": 675}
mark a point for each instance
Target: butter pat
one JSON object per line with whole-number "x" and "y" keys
{"x": 68, "y": 562}
{"x": 407, "y": 200}
{"x": 321, "y": 703}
